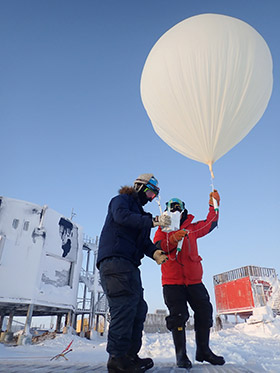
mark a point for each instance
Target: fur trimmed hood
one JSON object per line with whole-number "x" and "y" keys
{"x": 127, "y": 190}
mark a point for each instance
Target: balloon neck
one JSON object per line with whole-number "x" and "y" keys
{"x": 211, "y": 170}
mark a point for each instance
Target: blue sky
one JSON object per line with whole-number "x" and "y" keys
{"x": 73, "y": 127}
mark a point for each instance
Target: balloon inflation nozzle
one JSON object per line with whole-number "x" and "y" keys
{"x": 211, "y": 170}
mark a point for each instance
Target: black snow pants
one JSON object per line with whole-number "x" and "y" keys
{"x": 177, "y": 298}
{"x": 122, "y": 285}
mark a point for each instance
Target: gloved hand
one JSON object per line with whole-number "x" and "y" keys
{"x": 160, "y": 256}
{"x": 162, "y": 220}
{"x": 215, "y": 195}
{"x": 177, "y": 236}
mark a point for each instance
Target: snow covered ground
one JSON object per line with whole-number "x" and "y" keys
{"x": 253, "y": 347}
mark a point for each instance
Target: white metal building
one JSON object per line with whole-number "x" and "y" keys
{"x": 40, "y": 259}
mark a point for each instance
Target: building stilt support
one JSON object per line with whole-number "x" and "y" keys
{"x": 26, "y": 337}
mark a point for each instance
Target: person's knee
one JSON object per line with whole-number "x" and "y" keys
{"x": 204, "y": 319}
{"x": 142, "y": 310}
{"x": 203, "y": 324}
{"x": 175, "y": 321}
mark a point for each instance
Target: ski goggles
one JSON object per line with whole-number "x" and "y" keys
{"x": 152, "y": 184}
{"x": 151, "y": 188}
{"x": 175, "y": 204}
{"x": 151, "y": 194}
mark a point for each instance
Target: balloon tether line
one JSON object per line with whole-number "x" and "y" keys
{"x": 211, "y": 170}
{"x": 159, "y": 205}
{"x": 215, "y": 203}
{"x": 212, "y": 174}
{"x": 212, "y": 184}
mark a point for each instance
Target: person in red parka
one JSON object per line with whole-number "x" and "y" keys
{"x": 182, "y": 281}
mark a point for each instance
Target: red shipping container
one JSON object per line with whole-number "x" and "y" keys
{"x": 239, "y": 291}
{"x": 234, "y": 296}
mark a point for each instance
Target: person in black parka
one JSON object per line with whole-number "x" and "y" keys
{"x": 124, "y": 240}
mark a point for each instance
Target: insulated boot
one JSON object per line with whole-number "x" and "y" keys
{"x": 179, "y": 338}
{"x": 146, "y": 363}
{"x": 203, "y": 352}
{"x": 123, "y": 365}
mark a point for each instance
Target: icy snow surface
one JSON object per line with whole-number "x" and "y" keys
{"x": 246, "y": 347}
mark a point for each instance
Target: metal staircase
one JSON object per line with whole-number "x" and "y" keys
{"x": 91, "y": 299}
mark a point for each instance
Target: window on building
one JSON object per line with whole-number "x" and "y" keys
{"x": 26, "y": 225}
{"x": 15, "y": 223}
{"x": 2, "y": 243}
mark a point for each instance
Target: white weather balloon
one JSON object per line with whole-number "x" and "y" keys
{"x": 205, "y": 84}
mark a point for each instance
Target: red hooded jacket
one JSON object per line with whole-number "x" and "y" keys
{"x": 187, "y": 268}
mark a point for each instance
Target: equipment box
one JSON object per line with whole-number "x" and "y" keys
{"x": 239, "y": 291}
